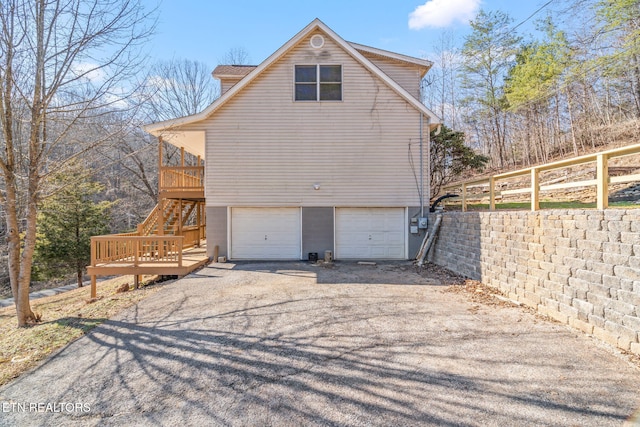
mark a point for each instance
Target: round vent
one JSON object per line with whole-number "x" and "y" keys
{"x": 317, "y": 41}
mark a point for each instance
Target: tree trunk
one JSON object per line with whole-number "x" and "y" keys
{"x": 13, "y": 237}
{"x": 23, "y": 307}
{"x": 636, "y": 83}
{"x": 574, "y": 141}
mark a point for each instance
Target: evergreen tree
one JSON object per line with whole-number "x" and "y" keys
{"x": 532, "y": 89}
{"x": 450, "y": 158}
{"x": 66, "y": 222}
{"x": 488, "y": 53}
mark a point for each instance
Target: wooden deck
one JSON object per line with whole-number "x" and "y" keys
{"x": 143, "y": 255}
{"x": 192, "y": 259}
{"x": 170, "y": 241}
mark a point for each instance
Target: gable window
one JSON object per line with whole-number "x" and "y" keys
{"x": 318, "y": 83}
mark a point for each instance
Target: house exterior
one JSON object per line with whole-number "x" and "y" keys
{"x": 316, "y": 149}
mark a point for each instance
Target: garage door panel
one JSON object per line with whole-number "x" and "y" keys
{"x": 394, "y": 238}
{"x": 265, "y": 233}
{"x": 370, "y": 233}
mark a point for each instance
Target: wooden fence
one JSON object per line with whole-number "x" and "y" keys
{"x": 601, "y": 181}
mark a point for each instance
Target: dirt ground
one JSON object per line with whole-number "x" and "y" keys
{"x": 299, "y": 344}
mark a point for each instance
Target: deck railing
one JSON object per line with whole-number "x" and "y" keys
{"x": 181, "y": 178}
{"x": 136, "y": 250}
{"x": 193, "y": 235}
{"x": 601, "y": 181}
{"x": 146, "y": 227}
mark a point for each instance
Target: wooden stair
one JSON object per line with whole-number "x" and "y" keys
{"x": 171, "y": 239}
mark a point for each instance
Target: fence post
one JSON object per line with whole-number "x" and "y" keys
{"x": 464, "y": 197}
{"x": 602, "y": 178}
{"x": 492, "y": 194}
{"x": 535, "y": 189}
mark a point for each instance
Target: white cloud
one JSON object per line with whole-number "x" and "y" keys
{"x": 89, "y": 71}
{"x": 443, "y": 13}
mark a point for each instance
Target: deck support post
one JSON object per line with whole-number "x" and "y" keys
{"x": 181, "y": 183}
{"x": 93, "y": 287}
{"x": 181, "y": 208}
{"x": 159, "y": 168}
{"x": 136, "y": 281}
{"x": 199, "y": 221}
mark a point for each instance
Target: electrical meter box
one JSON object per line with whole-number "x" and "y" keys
{"x": 423, "y": 222}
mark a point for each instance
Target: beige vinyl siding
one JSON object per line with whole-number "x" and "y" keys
{"x": 226, "y": 84}
{"x": 265, "y": 149}
{"x": 404, "y": 74}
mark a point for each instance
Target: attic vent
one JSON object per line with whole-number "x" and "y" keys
{"x": 317, "y": 41}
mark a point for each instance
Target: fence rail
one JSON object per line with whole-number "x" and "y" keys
{"x": 601, "y": 182}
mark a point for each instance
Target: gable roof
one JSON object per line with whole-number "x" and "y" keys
{"x": 158, "y": 128}
{"x": 233, "y": 71}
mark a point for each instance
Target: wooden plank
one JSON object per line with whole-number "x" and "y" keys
{"x": 94, "y": 292}
{"x": 516, "y": 191}
{"x": 585, "y": 183}
{"x": 492, "y": 194}
{"x": 602, "y": 178}
{"x": 513, "y": 174}
{"x": 535, "y": 190}
{"x": 464, "y": 197}
{"x": 624, "y": 179}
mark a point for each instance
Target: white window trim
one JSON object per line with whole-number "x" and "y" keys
{"x": 318, "y": 83}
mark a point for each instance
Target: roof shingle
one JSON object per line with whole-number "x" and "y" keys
{"x": 233, "y": 70}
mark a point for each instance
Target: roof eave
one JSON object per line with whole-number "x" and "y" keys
{"x": 393, "y": 55}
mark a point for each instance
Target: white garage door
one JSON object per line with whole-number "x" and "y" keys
{"x": 265, "y": 233}
{"x": 370, "y": 233}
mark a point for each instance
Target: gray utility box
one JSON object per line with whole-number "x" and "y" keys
{"x": 423, "y": 222}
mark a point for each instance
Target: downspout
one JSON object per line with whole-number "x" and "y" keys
{"x": 428, "y": 156}
{"x": 421, "y": 167}
{"x": 427, "y": 196}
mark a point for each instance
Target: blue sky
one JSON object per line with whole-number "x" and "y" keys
{"x": 205, "y": 30}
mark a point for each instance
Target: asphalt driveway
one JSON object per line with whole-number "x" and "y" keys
{"x": 293, "y": 344}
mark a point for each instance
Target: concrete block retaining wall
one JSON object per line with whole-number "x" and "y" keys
{"x": 580, "y": 267}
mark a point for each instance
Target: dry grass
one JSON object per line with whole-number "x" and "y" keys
{"x": 65, "y": 317}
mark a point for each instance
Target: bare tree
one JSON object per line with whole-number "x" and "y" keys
{"x": 235, "y": 56}
{"x": 179, "y": 88}
{"x": 440, "y": 86}
{"x": 63, "y": 64}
